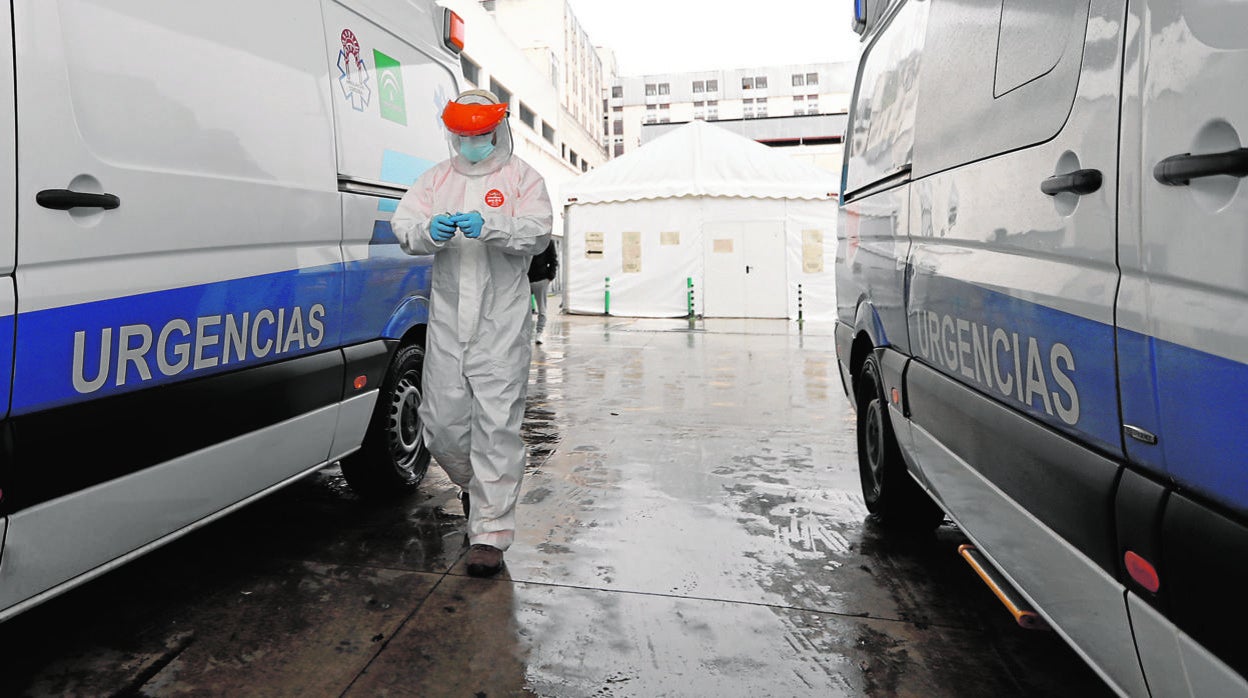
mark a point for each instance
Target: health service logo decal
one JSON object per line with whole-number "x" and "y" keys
{"x": 353, "y": 73}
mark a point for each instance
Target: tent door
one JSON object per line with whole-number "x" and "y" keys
{"x": 745, "y": 274}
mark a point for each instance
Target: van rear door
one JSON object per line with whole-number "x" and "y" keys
{"x": 1182, "y": 331}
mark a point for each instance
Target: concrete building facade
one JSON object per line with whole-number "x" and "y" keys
{"x": 796, "y": 90}
{"x": 550, "y": 35}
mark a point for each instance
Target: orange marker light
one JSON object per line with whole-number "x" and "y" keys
{"x": 360, "y": 382}
{"x": 454, "y": 38}
{"x": 896, "y": 396}
{"x": 1142, "y": 571}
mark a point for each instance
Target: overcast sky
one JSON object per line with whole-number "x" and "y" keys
{"x": 684, "y": 35}
{"x": 673, "y": 36}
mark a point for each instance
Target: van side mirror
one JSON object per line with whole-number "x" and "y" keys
{"x": 860, "y": 16}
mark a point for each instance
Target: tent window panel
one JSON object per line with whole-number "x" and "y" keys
{"x": 812, "y": 251}
{"x": 669, "y": 237}
{"x": 632, "y": 251}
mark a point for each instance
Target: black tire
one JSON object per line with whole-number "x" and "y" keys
{"x": 889, "y": 491}
{"x": 393, "y": 459}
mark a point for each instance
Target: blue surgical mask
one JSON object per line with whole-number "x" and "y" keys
{"x": 475, "y": 152}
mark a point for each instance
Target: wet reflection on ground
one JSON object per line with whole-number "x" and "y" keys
{"x": 691, "y": 525}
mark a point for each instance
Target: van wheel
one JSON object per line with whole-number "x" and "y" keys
{"x": 890, "y": 493}
{"x": 393, "y": 459}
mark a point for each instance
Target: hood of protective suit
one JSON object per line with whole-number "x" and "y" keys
{"x": 472, "y": 141}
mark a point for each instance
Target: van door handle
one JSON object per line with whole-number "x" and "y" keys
{"x": 1078, "y": 182}
{"x": 65, "y": 199}
{"x": 1180, "y": 170}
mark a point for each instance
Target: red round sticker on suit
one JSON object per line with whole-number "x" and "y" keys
{"x": 494, "y": 198}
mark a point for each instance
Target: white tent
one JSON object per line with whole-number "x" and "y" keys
{"x": 746, "y": 225}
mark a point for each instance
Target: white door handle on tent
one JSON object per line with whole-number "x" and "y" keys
{"x": 747, "y": 269}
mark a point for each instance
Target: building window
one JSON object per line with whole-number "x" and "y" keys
{"x": 665, "y": 88}
{"x": 762, "y": 107}
{"x": 572, "y": 157}
{"x": 472, "y": 71}
{"x": 584, "y": 166}
{"x": 712, "y": 86}
{"x": 760, "y": 82}
{"x": 617, "y": 91}
{"x": 619, "y": 149}
{"x": 747, "y": 83}
{"x": 503, "y": 94}
{"x": 651, "y": 89}
{"x": 528, "y": 117}
{"x": 548, "y": 132}
{"x": 665, "y": 119}
{"x": 812, "y": 78}
{"x": 799, "y": 80}
{"x": 617, "y": 110}
{"x": 617, "y": 126}
{"x": 697, "y": 86}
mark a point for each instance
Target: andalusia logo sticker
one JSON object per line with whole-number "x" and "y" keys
{"x": 353, "y": 73}
{"x": 390, "y": 88}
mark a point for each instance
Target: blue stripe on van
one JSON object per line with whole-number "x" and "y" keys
{"x": 193, "y": 321}
{"x": 951, "y": 322}
{"x": 209, "y": 328}
{"x": 1196, "y": 404}
{"x": 1193, "y": 401}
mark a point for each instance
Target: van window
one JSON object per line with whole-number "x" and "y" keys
{"x": 880, "y": 133}
{"x": 997, "y": 75}
{"x": 1032, "y": 40}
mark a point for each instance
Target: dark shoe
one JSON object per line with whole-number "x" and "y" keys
{"x": 484, "y": 560}
{"x": 463, "y": 499}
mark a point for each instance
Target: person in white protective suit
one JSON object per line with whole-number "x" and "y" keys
{"x": 482, "y": 214}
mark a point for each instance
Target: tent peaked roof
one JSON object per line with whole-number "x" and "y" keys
{"x": 700, "y": 159}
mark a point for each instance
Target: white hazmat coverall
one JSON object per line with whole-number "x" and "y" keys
{"x": 477, "y": 349}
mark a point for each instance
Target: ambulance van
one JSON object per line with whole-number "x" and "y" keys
{"x": 1043, "y": 322}
{"x": 202, "y": 299}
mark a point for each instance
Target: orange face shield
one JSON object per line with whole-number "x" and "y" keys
{"x": 473, "y": 119}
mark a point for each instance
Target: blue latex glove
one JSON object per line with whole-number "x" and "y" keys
{"x": 442, "y": 228}
{"x": 470, "y": 223}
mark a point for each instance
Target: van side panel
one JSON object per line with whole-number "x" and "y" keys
{"x": 222, "y": 263}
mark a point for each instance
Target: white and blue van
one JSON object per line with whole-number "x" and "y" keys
{"x": 201, "y": 299}
{"x": 1043, "y": 323}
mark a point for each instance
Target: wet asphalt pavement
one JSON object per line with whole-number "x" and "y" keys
{"x": 690, "y": 525}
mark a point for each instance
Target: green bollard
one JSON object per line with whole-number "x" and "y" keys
{"x": 606, "y": 297}
{"x": 799, "y": 308}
